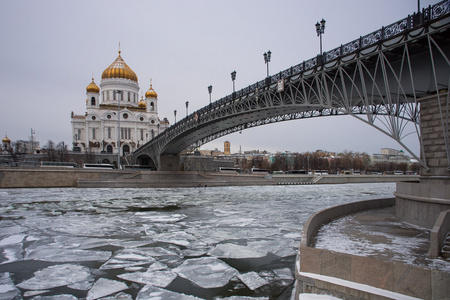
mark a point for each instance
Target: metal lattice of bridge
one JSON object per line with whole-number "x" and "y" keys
{"x": 378, "y": 79}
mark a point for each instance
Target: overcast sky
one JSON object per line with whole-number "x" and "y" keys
{"x": 51, "y": 49}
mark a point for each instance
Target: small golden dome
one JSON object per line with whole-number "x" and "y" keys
{"x": 151, "y": 93}
{"x": 6, "y": 139}
{"x": 119, "y": 69}
{"x": 142, "y": 103}
{"x": 92, "y": 87}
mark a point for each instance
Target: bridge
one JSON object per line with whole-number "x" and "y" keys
{"x": 379, "y": 78}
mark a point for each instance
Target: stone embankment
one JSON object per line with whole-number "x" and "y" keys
{"x": 43, "y": 178}
{"x": 376, "y": 275}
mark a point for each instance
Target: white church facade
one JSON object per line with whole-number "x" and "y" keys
{"x": 114, "y": 108}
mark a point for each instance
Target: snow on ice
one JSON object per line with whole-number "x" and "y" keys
{"x": 7, "y": 288}
{"x": 128, "y": 258}
{"x": 55, "y": 276}
{"x": 206, "y": 272}
{"x": 105, "y": 287}
{"x": 252, "y": 280}
{"x": 157, "y": 278}
{"x": 155, "y": 293}
{"x": 236, "y": 251}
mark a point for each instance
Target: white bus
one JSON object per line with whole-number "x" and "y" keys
{"x": 229, "y": 170}
{"x": 58, "y": 164}
{"x": 99, "y": 166}
{"x": 258, "y": 171}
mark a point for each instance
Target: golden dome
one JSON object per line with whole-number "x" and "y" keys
{"x": 142, "y": 103}
{"x": 92, "y": 87}
{"x": 119, "y": 69}
{"x": 6, "y": 139}
{"x": 151, "y": 93}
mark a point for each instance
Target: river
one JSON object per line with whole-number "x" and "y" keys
{"x": 174, "y": 243}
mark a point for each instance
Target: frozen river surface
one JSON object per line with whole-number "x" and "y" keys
{"x": 172, "y": 243}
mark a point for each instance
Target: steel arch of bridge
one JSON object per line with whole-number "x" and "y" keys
{"x": 377, "y": 79}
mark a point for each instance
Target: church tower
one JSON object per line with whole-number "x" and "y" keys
{"x": 151, "y": 99}
{"x": 227, "y": 148}
{"x": 93, "y": 95}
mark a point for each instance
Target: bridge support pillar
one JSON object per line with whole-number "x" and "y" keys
{"x": 435, "y": 131}
{"x": 169, "y": 163}
{"x": 421, "y": 203}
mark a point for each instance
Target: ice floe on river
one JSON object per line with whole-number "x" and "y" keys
{"x": 105, "y": 287}
{"x": 222, "y": 243}
{"x": 206, "y": 272}
{"x": 56, "y": 276}
{"x": 152, "y": 292}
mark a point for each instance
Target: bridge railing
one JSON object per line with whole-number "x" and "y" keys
{"x": 374, "y": 38}
{"x": 393, "y": 30}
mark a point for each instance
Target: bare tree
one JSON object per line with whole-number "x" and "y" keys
{"x": 14, "y": 150}
{"x": 50, "y": 151}
{"x": 62, "y": 151}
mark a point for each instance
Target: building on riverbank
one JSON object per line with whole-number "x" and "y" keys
{"x": 115, "y": 118}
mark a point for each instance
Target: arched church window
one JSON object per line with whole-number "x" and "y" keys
{"x": 126, "y": 149}
{"x": 93, "y": 101}
{"x": 109, "y": 149}
{"x": 152, "y": 105}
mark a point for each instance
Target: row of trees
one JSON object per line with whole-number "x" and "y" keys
{"x": 50, "y": 152}
{"x": 55, "y": 152}
{"x": 321, "y": 160}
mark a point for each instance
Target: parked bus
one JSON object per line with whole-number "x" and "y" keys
{"x": 296, "y": 172}
{"x": 58, "y": 164}
{"x": 258, "y": 171}
{"x": 321, "y": 172}
{"x": 99, "y": 166}
{"x": 229, "y": 170}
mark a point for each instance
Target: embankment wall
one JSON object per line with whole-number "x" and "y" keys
{"x": 421, "y": 203}
{"x": 42, "y": 178}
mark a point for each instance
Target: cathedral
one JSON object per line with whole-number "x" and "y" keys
{"x": 114, "y": 112}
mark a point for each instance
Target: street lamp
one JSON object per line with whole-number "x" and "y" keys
{"x": 210, "y": 91}
{"x": 187, "y": 105}
{"x": 175, "y": 115}
{"x": 233, "y": 78}
{"x": 320, "y": 29}
{"x": 267, "y": 56}
{"x": 118, "y": 128}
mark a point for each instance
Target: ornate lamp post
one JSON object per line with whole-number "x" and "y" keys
{"x": 118, "y": 128}
{"x": 233, "y": 78}
{"x": 175, "y": 115}
{"x": 320, "y": 29}
{"x": 267, "y": 56}
{"x": 187, "y": 105}
{"x": 210, "y": 91}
